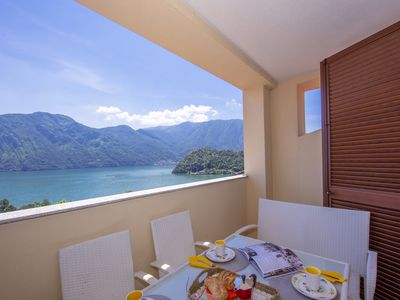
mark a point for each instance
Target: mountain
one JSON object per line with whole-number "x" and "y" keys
{"x": 211, "y": 161}
{"x": 216, "y": 134}
{"x": 43, "y": 141}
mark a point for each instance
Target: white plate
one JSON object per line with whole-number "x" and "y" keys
{"x": 326, "y": 291}
{"x": 229, "y": 255}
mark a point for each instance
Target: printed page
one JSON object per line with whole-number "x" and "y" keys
{"x": 271, "y": 260}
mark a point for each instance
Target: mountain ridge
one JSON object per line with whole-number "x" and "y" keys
{"x": 45, "y": 141}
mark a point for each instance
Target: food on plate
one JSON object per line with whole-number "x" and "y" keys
{"x": 219, "y": 284}
{"x": 228, "y": 278}
{"x": 216, "y": 288}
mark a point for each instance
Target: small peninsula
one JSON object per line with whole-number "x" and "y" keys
{"x": 207, "y": 161}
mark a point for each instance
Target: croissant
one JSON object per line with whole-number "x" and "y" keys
{"x": 216, "y": 287}
{"x": 228, "y": 278}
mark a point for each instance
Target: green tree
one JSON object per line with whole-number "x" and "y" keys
{"x": 4, "y": 203}
{"x": 36, "y": 204}
{"x": 5, "y": 206}
{"x": 211, "y": 161}
{"x": 10, "y": 208}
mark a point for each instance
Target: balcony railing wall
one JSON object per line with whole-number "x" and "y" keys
{"x": 29, "y": 262}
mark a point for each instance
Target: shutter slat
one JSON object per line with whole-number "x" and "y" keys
{"x": 385, "y": 90}
{"x": 379, "y": 213}
{"x": 371, "y": 155}
{"x": 378, "y": 79}
{"x": 364, "y": 72}
{"x": 379, "y": 148}
{"x": 391, "y": 242}
{"x": 377, "y": 96}
{"x": 367, "y": 142}
{"x": 365, "y": 169}
{"x": 391, "y": 276}
{"x": 371, "y": 159}
{"x": 369, "y": 178}
{"x": 389, "y": 260}
{"x": 378, "y": 65}
{"x": 392, "y": 134}
{"x": 345, "y": 71}
{"x": 386, "y": 294}
{"x": 362, "y": 164}
{"x": 373, "y": 111}
{"x": 367, "y": 174}
{"x": 341, "y": 65}
{"x": 370, "y": 125}
{"x": 390, "y": 284}
{"x": 366, "y": 184}
{"x": 387, "y": 69}
{"x": 388, "y": 234}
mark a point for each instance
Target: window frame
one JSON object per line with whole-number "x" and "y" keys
{"x": 301, "y": 114}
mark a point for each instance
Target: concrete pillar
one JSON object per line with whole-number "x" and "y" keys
{"x": 257, "y": 148}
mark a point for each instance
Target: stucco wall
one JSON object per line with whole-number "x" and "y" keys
{"x": 296, "y": 161}
{"x": 256, "y": 130}
{"x": 28, "y": 260}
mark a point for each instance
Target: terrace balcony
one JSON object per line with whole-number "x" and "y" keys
{"x": 266, "y": 55}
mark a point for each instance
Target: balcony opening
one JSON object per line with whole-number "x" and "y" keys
{"x": 91, "y": 109}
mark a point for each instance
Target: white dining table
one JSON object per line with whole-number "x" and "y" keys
{"x": 174, "y": 285}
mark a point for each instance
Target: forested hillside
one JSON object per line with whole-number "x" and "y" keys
{"x": 210, "y": 161}
{"x": 44, "y": 141}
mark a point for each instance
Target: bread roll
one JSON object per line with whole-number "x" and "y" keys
{"x": 216, "y": 287}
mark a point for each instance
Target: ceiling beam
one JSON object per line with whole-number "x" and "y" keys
{"x": 175, "y": 26}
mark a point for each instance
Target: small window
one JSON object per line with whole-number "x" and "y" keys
{"x": 309, "y": 107}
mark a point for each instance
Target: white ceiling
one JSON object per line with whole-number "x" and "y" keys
{"x": 290, "y": 37}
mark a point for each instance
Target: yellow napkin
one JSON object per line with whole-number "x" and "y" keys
{"x": 332, "y": 276}
{"x": 200, "y": 261}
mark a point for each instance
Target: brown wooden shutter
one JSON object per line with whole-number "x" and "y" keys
{"x": 361, "y": 138}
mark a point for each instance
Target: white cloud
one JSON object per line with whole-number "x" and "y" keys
{"x": 108, "y": 109}
{"x": 233, "y": 104}
{"x": 192, "y": 113}
{"x": 83, "y": 76}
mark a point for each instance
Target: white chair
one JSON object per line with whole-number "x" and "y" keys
{"x": 99, "y": 269}
{"x": 339, "y": 234}
{"x": 173, "y": 241}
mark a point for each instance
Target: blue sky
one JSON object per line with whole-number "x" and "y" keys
{"x": 312, "y": 108}
{"x": 59, "y": 57}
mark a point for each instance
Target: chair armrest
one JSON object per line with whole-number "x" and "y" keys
{"x": 246, "y": 228}
{"x": 370, "y": 279}
{"x": 203, "y": 244}
{"x": 162, "y": 266}
{"x": 146, "y": 277}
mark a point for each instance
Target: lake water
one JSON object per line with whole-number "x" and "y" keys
{"x": 77, "y": 184}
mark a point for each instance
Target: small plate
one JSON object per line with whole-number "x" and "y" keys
{"x": 156, "y": 297}
{"x": 326, "y": 291}
{"x": 229, "y": 255}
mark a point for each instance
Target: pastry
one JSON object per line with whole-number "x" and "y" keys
{"x": 228, "y": 278}
{"x": 219, "y": 284}
{"x": 216, "y": 287}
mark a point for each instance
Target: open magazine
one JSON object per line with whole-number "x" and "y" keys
{"x": 272, "y": 260}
